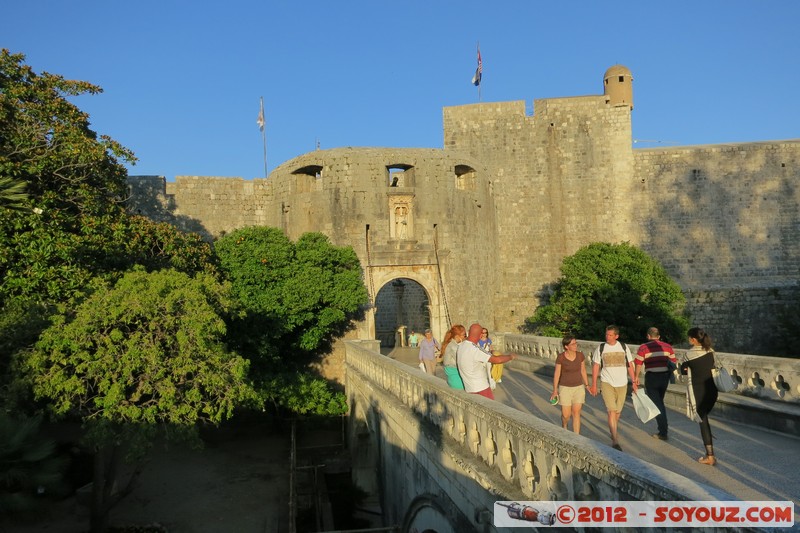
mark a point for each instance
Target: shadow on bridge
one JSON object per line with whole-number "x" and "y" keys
{"x": 754, "y": 464}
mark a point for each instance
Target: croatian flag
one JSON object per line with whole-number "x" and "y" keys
{"x": 476, "y": 79}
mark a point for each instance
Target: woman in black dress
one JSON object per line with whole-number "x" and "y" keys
{"x": 698, "y": 363}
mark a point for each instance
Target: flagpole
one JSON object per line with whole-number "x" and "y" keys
{"x": 478, "y": 72}
{"x": 261, "y": 123}
{"x": 263, "y": 135}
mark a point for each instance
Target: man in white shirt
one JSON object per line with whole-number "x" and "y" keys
{"x": 616, "y": 362}
{"x": 472, "y": 361}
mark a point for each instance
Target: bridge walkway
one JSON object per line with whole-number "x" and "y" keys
{"x": 754, "y": 464}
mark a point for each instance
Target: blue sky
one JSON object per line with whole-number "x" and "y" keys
{"x": 182, "y": 79}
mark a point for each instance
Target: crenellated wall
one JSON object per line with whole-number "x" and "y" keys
{"x": 484, "y": 223}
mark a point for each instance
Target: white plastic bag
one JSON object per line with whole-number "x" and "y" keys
{"x": 723, "y": 380}
{"x": 646, "y": 410}
{"x": 422, "y": 366}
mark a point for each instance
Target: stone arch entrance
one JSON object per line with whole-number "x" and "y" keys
{"x": 426, "y": 515}
{"x": 402, "y": 305}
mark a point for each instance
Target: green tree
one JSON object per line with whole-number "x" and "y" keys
{"x": 604, "y": 284}
{"x": 46, "y": 141}
{"x": 298, "y": 297}
{"x": 150, "y": 351}
{"x": 74, "y": 234}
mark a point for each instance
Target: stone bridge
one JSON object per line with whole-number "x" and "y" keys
{"x": 437, "y": 459}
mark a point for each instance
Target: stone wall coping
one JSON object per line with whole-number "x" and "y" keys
{"x": 759, "y": 376}
{"x": 541, "y": 459}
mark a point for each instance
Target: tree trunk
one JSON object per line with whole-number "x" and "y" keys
{"x": 103, "y": 481}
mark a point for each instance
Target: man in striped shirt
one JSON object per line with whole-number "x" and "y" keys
{"x": 655, "y": 355}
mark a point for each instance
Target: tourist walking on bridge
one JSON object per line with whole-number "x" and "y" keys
{"x": 413, "y": 339}
{"x": 658, "y": 360}
{"x": 610, "y": 361}
{"x": 427, "y": 352}
{"x": 570, "y": 383}
{"x": 485, "y": 344}
{"x": 452, "y": 339}
{"x": 472, "y": 363}
{"x": 697, "y": 363}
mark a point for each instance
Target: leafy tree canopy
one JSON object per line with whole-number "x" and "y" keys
{"x": 298, "y": 296}
{"x": 619, "y": 284}
{"x": 149, "y": 350}
{"x": 63, "y": 228}
{"x": 46, "y": 141}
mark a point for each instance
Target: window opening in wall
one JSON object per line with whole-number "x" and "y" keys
{"x": 315, "y": 171}
{"x": 621, "y": 79}
{"x": 400, "y": 175}
{"x": 466, "y": 178}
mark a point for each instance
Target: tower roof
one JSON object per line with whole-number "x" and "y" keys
{"x": 617, "y": 70}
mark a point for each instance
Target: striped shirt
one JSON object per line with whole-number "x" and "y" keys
{"x": 654, "y": 354}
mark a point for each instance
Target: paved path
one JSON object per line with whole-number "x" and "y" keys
{"x": 754, "y": 464}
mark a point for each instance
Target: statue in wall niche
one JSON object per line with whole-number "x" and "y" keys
{"x": 401, "y": 222}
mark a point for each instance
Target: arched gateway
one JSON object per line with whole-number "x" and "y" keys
{"x": 402, "y": 306}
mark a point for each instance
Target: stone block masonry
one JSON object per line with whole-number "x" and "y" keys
{"x": 484, "y": 223}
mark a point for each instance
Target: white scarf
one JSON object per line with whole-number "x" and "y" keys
{"x": 691, "y": 404}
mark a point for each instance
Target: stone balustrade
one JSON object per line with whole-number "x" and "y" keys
{"x": 759, "y": 376}
{"x": 510, "y": 454}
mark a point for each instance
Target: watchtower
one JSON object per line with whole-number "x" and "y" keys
{"x": 618, "y": 86}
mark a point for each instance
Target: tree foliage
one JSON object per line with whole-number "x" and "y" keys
{"x": 63, "y": 228}
{"x": 150, "y": 351}
{"x": 12, "y": 193}
{"x": 619, "y": 284}
{"x": 46, "y": 140}
{"x": 298, "y": 297}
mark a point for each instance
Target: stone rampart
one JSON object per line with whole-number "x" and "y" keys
{"x": 415, "y": 441}
{"x": 484, "y": 223}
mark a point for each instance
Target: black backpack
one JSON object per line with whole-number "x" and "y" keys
{"x": 603, "y": 347}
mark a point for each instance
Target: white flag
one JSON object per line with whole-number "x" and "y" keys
{"x": 260, "y": 120}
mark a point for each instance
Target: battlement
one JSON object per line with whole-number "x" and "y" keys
{"x": 511, "y": 194}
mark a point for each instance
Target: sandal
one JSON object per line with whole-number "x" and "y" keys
{"x": 708, "y": 460}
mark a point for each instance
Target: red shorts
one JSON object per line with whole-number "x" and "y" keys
{"x": 486, "y": 392}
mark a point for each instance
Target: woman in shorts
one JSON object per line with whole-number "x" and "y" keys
{"x": 570, "y": 383}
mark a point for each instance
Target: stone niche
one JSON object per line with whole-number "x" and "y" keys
{"x": 401, "y": 217}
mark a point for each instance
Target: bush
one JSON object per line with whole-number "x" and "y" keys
{"x": 604, "y": 284}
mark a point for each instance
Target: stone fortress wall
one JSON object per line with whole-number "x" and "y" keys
{"x": 484, "y": 223}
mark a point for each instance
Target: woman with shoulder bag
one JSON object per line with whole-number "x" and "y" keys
{"x": 452, "y": 339}
{"x": 697, "y": 363}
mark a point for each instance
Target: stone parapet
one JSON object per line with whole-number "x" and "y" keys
{"x": 759, "y": 376}
{"x": 466, "y": 451}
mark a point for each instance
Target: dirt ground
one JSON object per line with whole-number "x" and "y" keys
{"x": 237, "y": 483}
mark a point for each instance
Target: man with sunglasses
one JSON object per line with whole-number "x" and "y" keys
{"x": 472, "y": 363}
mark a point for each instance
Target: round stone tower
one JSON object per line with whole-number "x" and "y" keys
{"x": 618, "y": 86}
